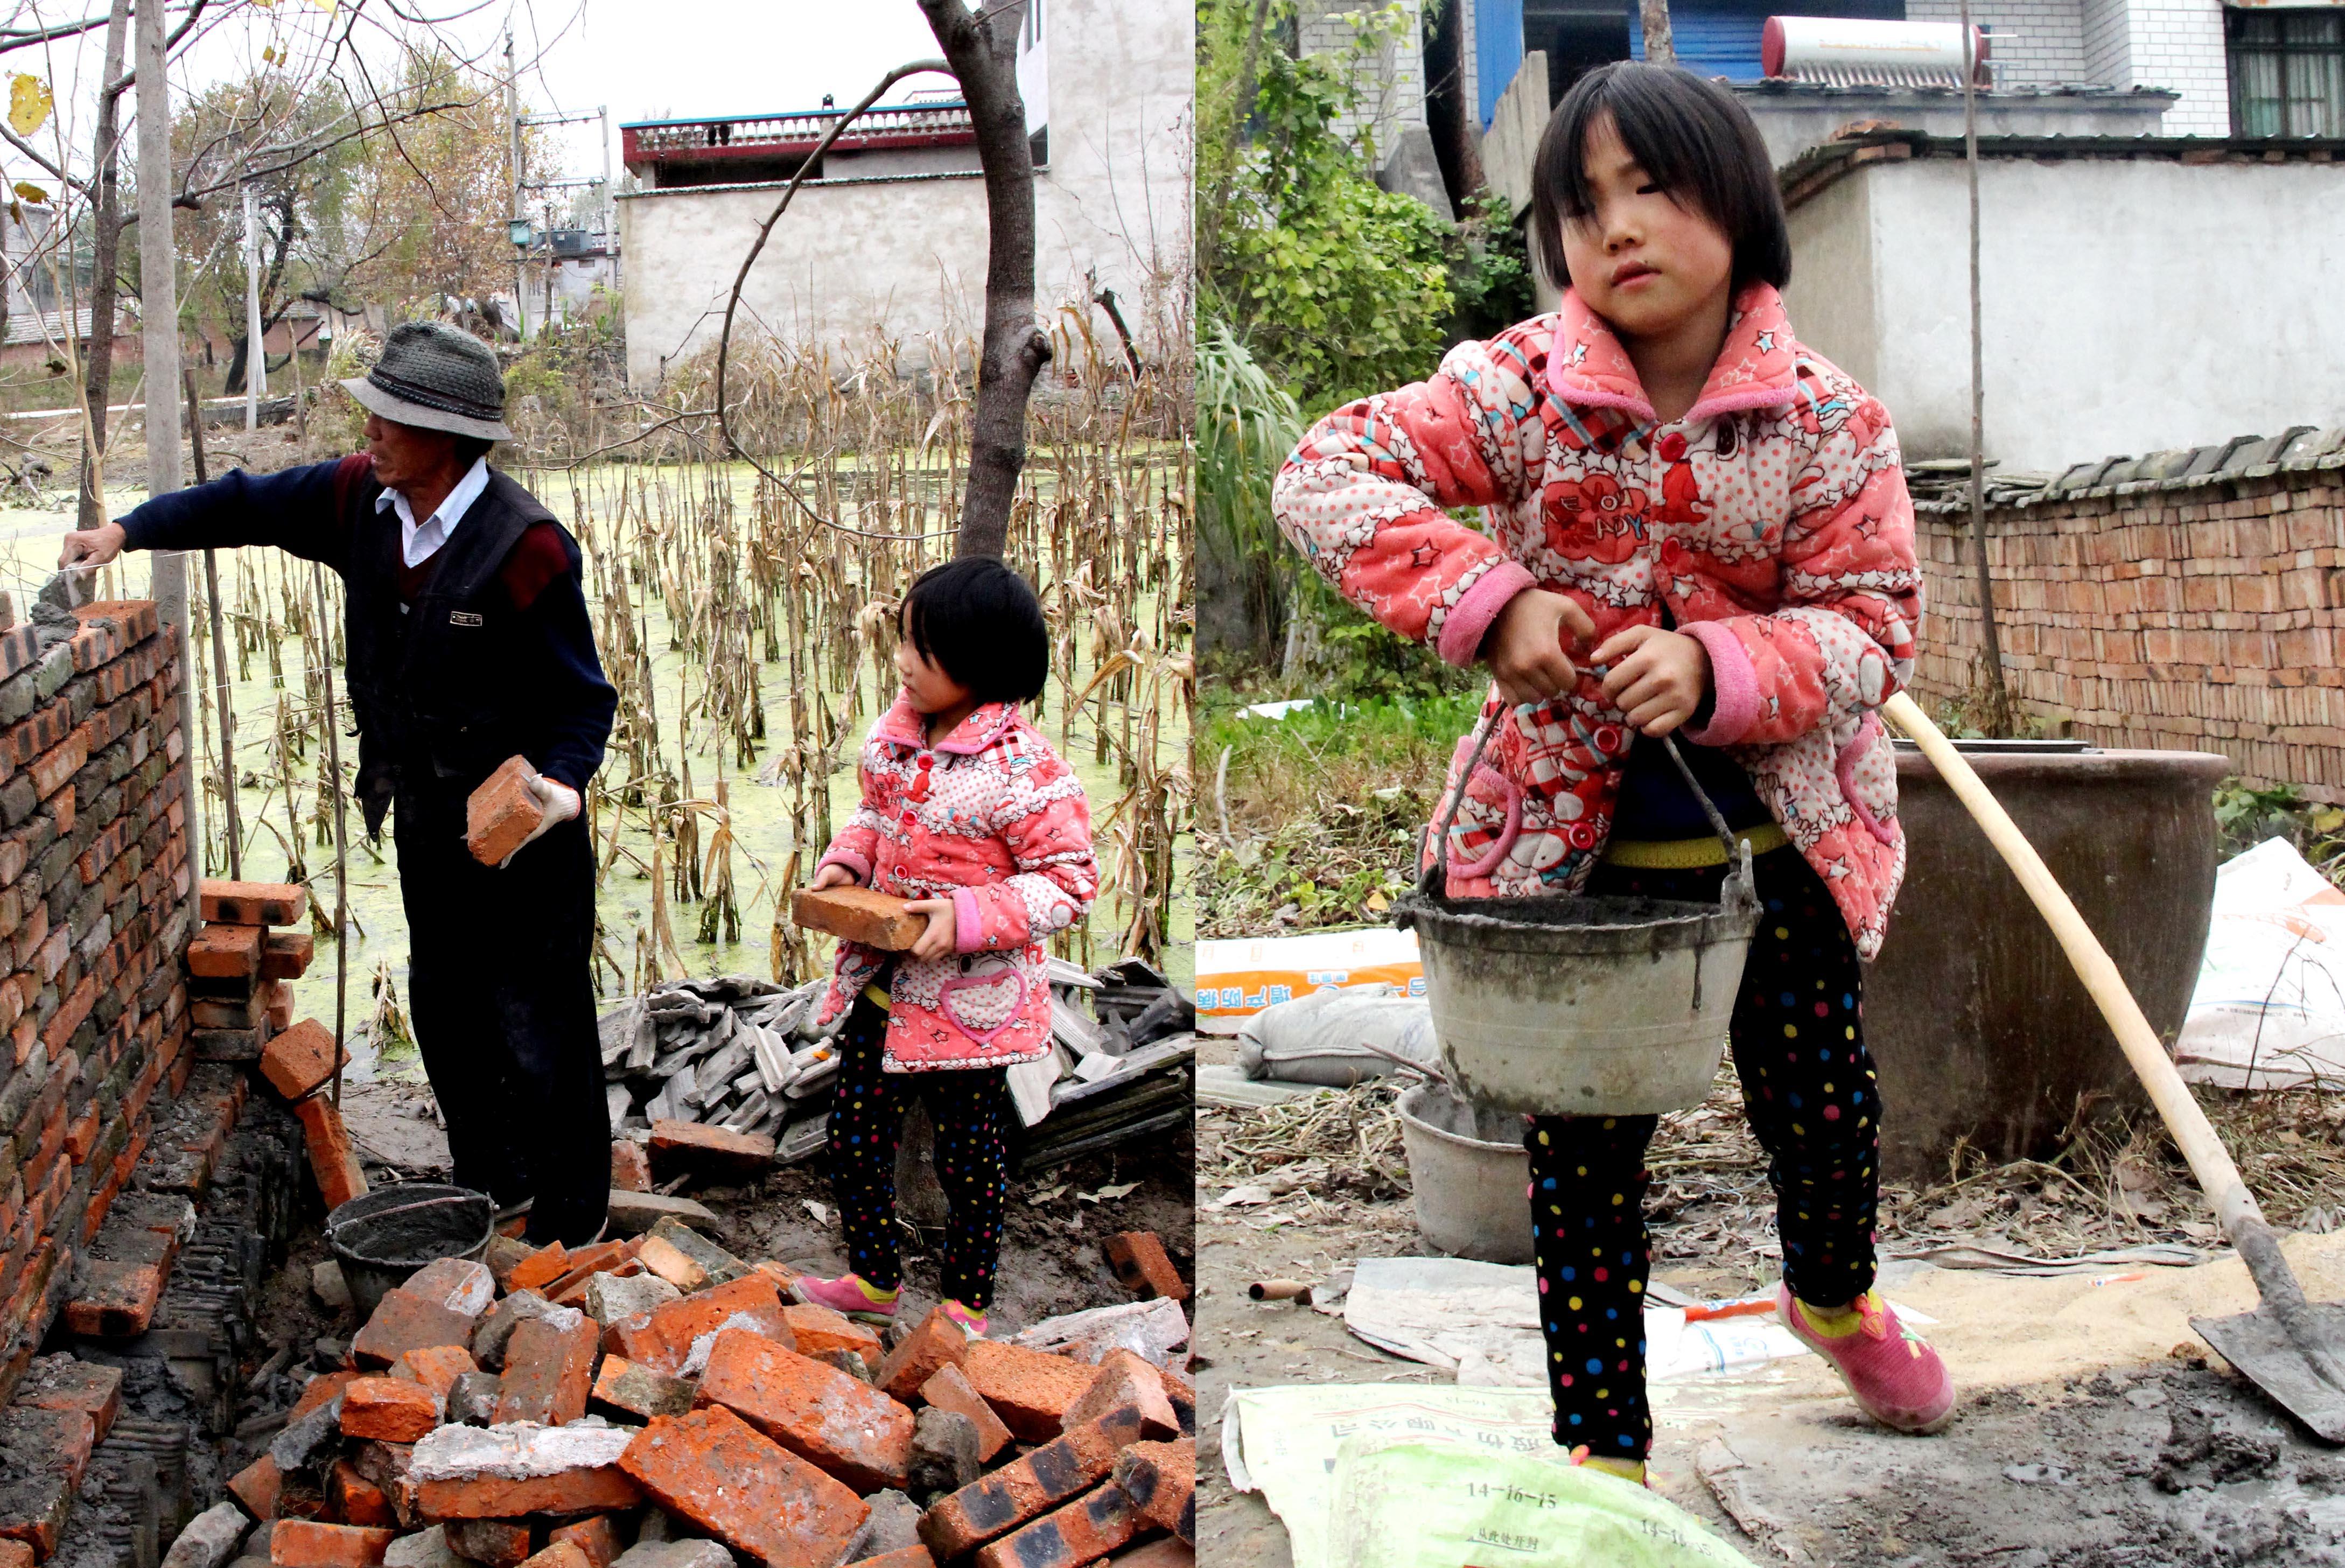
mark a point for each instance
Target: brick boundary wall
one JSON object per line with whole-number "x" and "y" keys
{"x": 94, "y": 911}
{"x": 2193, "y": 613}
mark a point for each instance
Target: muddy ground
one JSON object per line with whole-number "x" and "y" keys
{"x": 2095, "y": 1431}
{"x": 1050, "y": 1259}
{"x": 2175, "y": 1461}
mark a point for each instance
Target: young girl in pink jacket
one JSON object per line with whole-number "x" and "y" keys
{"x": 967, "y": 811}
{"x": 1691, "y": 524}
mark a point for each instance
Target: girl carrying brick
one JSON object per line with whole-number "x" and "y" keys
{"x": 1692, "y": 523}
{"x": 967, "y": 811}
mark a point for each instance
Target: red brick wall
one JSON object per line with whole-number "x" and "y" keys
{"x": 2199, "y": 616}
{"x": 95, "y": 910}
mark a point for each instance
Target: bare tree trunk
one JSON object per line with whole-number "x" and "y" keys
{"x": 984, "y": 58}
{"x": 105, "y": 256}
{"x": 1653, "y": 16}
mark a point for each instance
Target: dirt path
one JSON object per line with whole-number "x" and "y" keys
{"x": 2084, "y": 1439}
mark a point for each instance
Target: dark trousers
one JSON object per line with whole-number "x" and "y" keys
{"x": 503, "y": 1008}
{"x": 1798, "y": 1037}
{"x": 968, "y": 1106}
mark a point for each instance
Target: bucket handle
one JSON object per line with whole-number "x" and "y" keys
{"x": 441, "y": 1202}
{"x": 1737, "y": 892}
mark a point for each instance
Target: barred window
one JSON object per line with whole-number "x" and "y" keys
{"x": 2288, "y": 73}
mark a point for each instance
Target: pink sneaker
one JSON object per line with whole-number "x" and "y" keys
{"x": 1896, "y": 1379}
{"x": 849, "y": 1294}
{"x": 971, "y": 1323}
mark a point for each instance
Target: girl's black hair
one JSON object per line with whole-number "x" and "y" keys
{"x": 1691, "y": 136}
{"x": 979, "y": 622}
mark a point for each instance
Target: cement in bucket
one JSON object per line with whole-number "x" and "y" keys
{"x": 1581, "y": 1006}
{"x": 380, "y": 1239}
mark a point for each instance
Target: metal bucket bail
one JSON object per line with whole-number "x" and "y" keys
{"x": 1562, "y": 1005}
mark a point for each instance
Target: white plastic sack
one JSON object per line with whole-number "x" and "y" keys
{"x": 2268, "y": 1011}
{"x": 1316, "y": 1039}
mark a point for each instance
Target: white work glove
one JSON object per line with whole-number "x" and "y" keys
{"x": 560, "y": 803}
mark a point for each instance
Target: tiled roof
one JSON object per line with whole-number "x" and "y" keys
{"x": 1821, "y": 165}
{"x": 1945, "y": 485}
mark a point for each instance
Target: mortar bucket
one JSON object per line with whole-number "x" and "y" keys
{"x": 1469, "y": 1175}
{"x": 1581, "y": 1006}
{"x": 383, "y": 1237}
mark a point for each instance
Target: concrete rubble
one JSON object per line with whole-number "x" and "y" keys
{"x": 658, "y": 1403}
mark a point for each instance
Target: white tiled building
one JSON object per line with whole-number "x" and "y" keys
{"x": 2284, "y": 63}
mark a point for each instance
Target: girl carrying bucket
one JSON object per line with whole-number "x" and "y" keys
{"x": 1693, "y": 525}
{"x": 967, "y": 811}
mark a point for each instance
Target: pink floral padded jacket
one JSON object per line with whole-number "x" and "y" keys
{"x": 1771, "y": 521}
{"x": 992, "y": 819}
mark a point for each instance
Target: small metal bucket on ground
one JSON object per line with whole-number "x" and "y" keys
{"x": 380, "y": 1239}
{"x": 1469, "y": 1175}
{"x": 1581, "y": 1006}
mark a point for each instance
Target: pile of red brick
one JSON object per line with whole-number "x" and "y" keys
{"x": 649, "y": 1396}
{"x": 237, "y": 970}
{"x": 94, "y": 912}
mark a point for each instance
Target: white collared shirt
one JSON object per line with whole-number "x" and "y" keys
{"x": 419, "y": 541}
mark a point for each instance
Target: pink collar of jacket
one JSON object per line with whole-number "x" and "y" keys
{"x": 1757, "y": 367}
{"x": 903, "y": 725}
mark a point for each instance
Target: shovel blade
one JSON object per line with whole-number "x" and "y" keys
{"x": 2258, "y": 1344}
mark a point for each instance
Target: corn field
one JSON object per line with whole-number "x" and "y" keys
{"x": 745, "y": 614}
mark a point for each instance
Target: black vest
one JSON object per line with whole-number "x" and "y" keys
{"x": 442, "y": 688}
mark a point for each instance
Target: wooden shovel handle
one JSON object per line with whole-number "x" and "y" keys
{"x": 2219, "y": 1178}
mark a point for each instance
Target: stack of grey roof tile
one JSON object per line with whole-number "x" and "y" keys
{"x": 1944, "y": 484}
{"x": 745, "y": 1055}
{"x": 732, "y": 1051}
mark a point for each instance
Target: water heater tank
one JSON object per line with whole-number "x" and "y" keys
{"x": 1846, "y": 51}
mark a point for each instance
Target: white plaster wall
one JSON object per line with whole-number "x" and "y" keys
{"x": 2116, "y": 317}
{"x": 1510, "y": 146}
{"x": 1830, "y": 296}
{"x": 905, "y": 259}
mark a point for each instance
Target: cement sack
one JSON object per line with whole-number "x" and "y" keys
{"x": 1316, "y": 1039}
{"x": 2268, "y": 1011}
{"x": 1416, "y": 1504}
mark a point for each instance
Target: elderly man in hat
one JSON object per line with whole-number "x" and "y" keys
{"x": 469, "y": 641}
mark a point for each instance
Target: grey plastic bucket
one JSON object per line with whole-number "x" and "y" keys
{"x": 1469, "y": 1175}
{"x": 380, "y": 1239}
{"x": 1581, "y": 1006}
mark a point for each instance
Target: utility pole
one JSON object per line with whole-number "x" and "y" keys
{"x": 1991, "y": 644}
{"x": 513, "y": 179}
{"x": 255, "y": 355}
{"x": 160, "y": 335}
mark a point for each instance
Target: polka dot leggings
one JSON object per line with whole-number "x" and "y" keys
{"x": 967, "y": 1107}
{"x": 1808, "y": 1086}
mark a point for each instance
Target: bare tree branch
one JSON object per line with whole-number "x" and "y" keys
{"x": 733, "y": 299}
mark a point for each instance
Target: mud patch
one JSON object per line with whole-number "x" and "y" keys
{"x": 2147, "y": 1465}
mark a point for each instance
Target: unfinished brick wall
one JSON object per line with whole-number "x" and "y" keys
{"x": 94, "y": 913}
{"x": 2178, "y": 614}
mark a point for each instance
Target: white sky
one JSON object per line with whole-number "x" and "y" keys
{"x": 644, "y": 59}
